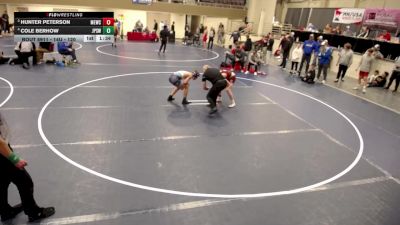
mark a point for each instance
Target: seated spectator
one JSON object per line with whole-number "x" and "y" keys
{"x": 3, "y": 59}
{"x": 27, "y": 49}
{"x": 327, "y": 29}
{"x": 348, "y": 32}
{"x": 44, "y": 47}
{"x": 379, "y": 81}
{"x": 364, "y": 33}
{"x": 337, "y": 30}
{"x": 65, "y": 48}
{"x": 254, "y": 60}
{"x": 373, "y": 76}
{"x": 138, "y": 26}
{"x": 146, "y": 30}
{"x": 311, "y": 27}
{"x": 310, "y": 75}
{"x": 385, "y": 36}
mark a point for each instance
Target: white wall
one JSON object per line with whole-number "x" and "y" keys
{"x": 214, "y": 22}
{"x": 179, "y": 20}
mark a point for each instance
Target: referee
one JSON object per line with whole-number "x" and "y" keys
{"x": 219, "y": 83}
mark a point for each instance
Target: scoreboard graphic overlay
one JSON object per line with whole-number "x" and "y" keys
{"x": 64, "y": 26}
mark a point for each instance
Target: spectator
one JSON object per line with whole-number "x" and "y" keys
{"x": 230, "y": 54}
{"x": 248, "y": 44}
{"x": 324, "y": 59}
{"x": 344, "y": 62}
{"x": 364, "y": 67}
{"x": 221, "y": 34}
{"x": 173, "y": 26}
{"x": 43, "y": 48}
{"x": 395, "y": 75}
{"x": 310, "y": 75}
{"x": 379, "y": 81}
{"x": 285, "y": 48}
{"x": 376, "y": 52}
{"x": 205, "y": 36}
{"x": 155, "y": 27}
{"x": 364, "y": 33}
{"x": 296, "y": 57}
{"x": 27, "y": 49}
{"x": 309, "y": 46}
{"x": 373, "y": 77}
{"x": 348, "y": 32}
{"x": 65, "y": 48}
{"x": 270, "y": 45}
{"x": 3, "y": 59}
{"x": 211, "y": 38}
{"x": 254, "y": 60}
{"x": 311, "y": 27}
{"x": 337, "y": 30}
{"x": 164, "y": 38}
{"x": 385, "y": 36}
{"x": 13, "y": 170}
{"x": 327, "y": 29}
{"x": 201, "y": 30}
{"x": 139, "y": 26}
{"x": 5, "y": 23}
{"x": 235, "y": 36}
{"x": 240, "y": 56}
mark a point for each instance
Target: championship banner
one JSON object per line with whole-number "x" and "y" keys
{"x": 382, "y": 17}
{"x": 348, "y": 15}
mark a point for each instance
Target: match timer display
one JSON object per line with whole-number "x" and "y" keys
{"x": 64, "y": 26}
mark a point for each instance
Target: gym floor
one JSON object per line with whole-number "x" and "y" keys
{"x": 105, "y": 147}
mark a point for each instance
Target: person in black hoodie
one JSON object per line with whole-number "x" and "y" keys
{"x": 164, "y": 38}
{"x": 285, "y": 46}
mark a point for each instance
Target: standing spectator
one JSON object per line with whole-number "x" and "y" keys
{"x": 211, "y": 38}
{"x": 201, "y": 30}
{"x": 235, "y": 36}
{"x": 379, "y": 81}
{"x": 309, "y": 46}
{"x": 5, "y": 23}
{"x": 296, "y": 57}
{"x": 395, "y": 75}
{"x": 324, "y": 59}
{"x": 164, "y": 38}
{"x": 205, "y": 37}
{"x": 27, "y": 50}
{"x": 248, "y": 44}
{"x": 285, "y": 48}
{"x": 376, "y": 52}
{"x": 221, "y": 34}
{"x": 173, "y": 26}
{"x": 364, "y": 67}
{"x": 319, "y": 41}
{"x": 13, "y": 170}
{"x": 155, "y": 27}
{"x": 385, "y": 36}
{"x": 344, "y": 62}
{"x": 270, "y": 45}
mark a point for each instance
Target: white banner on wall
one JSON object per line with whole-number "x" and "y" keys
{"x": 348, "y": 15}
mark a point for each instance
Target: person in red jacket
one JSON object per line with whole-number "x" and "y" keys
{"x": 385, "y": 35}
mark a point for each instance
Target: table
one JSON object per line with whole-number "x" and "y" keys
{"x": 142, "y": 36}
